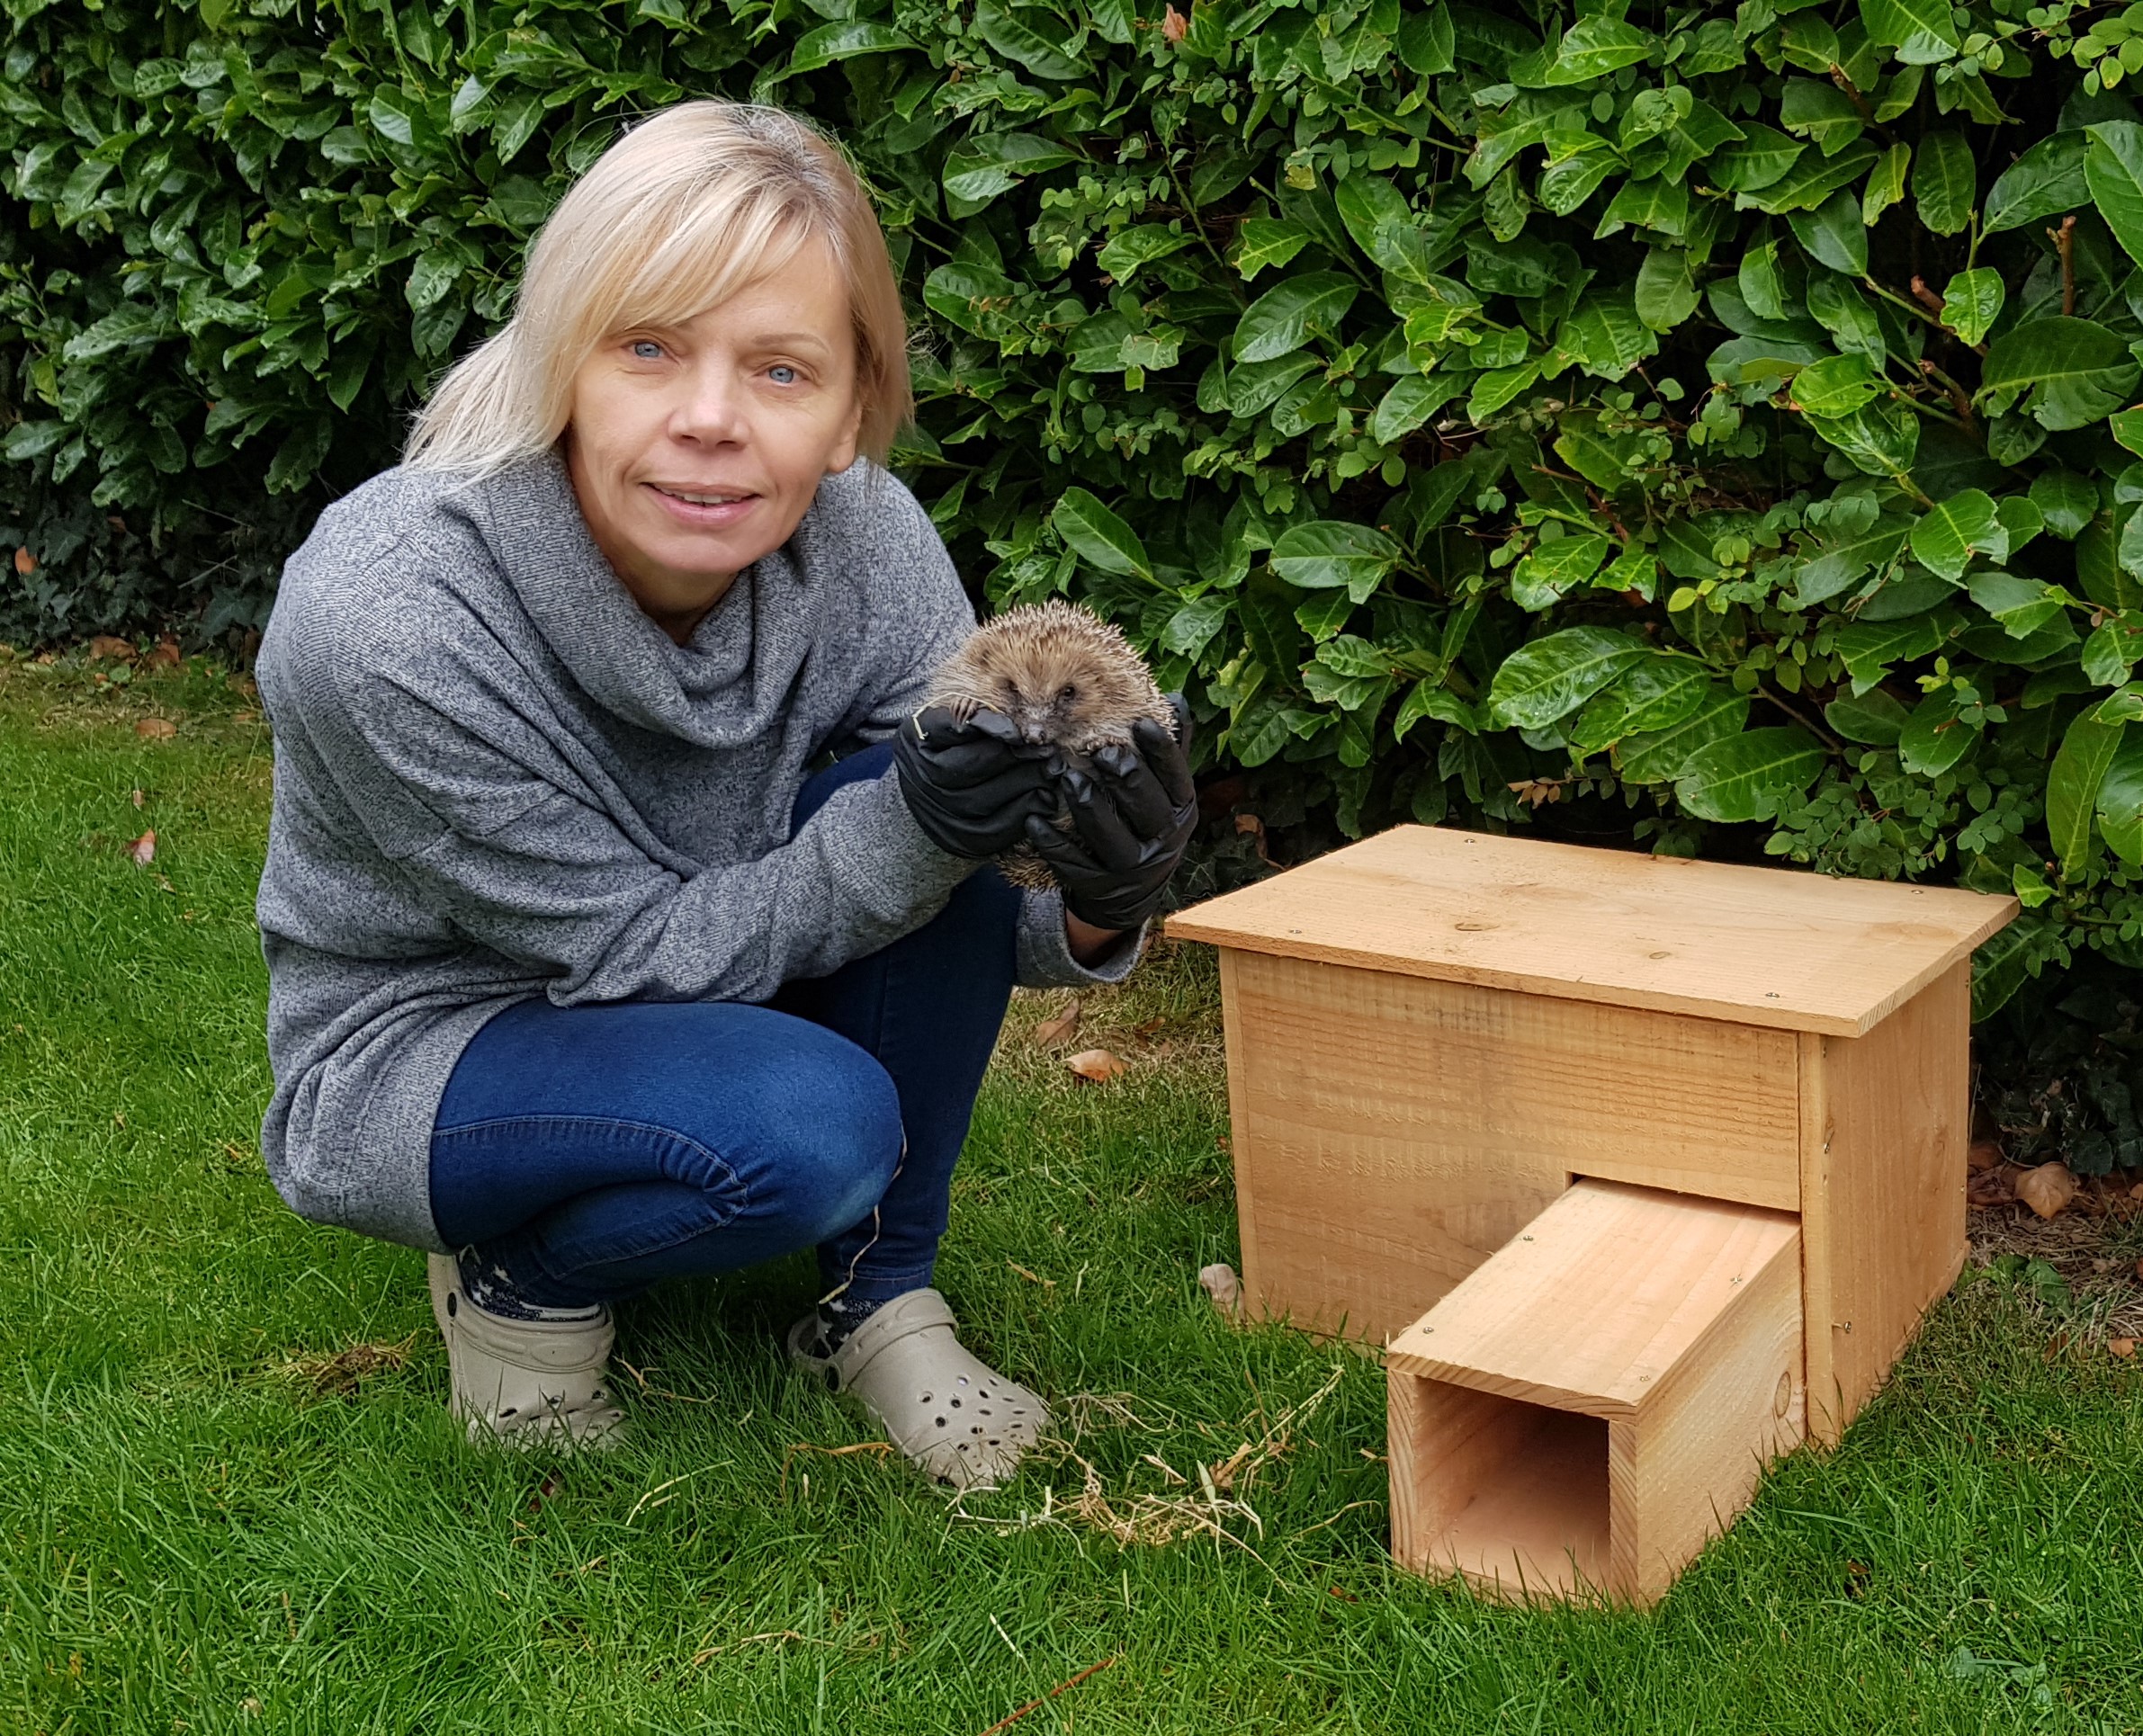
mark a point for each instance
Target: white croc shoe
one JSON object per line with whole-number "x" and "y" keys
{"x": 956, "y": 1418}
{"x": 525, "y": 1383}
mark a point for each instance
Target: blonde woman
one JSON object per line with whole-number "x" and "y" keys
{"x": 622, "y": 923}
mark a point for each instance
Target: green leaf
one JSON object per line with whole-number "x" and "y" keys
{"x": 973, "y": 297}
{"x": 1102, "y": 539}
{"x": 1657, "y": 204}
{"x": 1745, "y": 776}
{"x": 1834, "y": 233}
{"x": 2072, "y": 372}
{"x": 1550, "y": 677}
{"x": 1129, "y": 251}
{"x": 1972, "y": 303}
{"x": 1382, "y": 223}
{"x": 1566, "y": 561}
{"x": 1666, "y": 291}
{"x": 1821, "y": 113}
{"x": 2120, "y": 801}
{"x": 1921, "y": 31}
{"x": 1425, "y": 40}
{"x": 2113, "y": 171}
{"x": 1869, "y": 647}
{"x": 1886, "y": 184}
{"x": 1497, "y": 388}
{"x": 1330, "y": 552}
{"x": 1658, "y": 756}
{"x": 1280, "y": 319}
{"x": 1654, "y": 695}
{"x": 1946, "y": 538}
{"x": 1762, "y": 159}
{"x": 1567, "y": 182}
{"x": 1945, "y": 183}
{"x": 1605, "y": 337}
{"x": 1837, "y": 386}
{"x": 1882, "y": 438}
{"x": 1594, "y": 47}
{"x": 1874, "y": 718}
{"x": 1813, "y": 179}
{"x": 2023, "y": 606}
{"x": 1411, "y": 401}
{"x": 2045, "y": 182}
{"x": 1932, "y": 740}
{"x": 2072, "y": 787}
{"x": 844, "y": 40}
{"x": 1033, "y": 50}
{"x": 1759, "y": 282}
{"x": 1265, "y": 241}
{"x": 2067, "y": 499}
{"x": 2112, "y": 651}
{"x": 981, "y": 169}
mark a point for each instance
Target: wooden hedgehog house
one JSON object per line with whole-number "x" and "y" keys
{"x": 1643, "y": 1169}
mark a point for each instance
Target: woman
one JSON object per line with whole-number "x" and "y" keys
{"x": 622, "y": 923}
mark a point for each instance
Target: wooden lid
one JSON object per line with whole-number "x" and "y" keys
{"x": 1771, "y": 946}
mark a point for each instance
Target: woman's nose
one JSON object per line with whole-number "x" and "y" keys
{"x": 711, "y": 408}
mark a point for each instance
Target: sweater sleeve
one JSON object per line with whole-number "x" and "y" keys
{"x": 516, "y": 862}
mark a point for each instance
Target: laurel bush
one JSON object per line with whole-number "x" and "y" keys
{"x": 1714, "y": 423}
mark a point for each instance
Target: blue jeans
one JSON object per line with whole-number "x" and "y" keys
{"x": 590, "y": 1152}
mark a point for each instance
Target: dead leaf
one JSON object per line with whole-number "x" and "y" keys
{"x": 156, "y": 728}
{"x": 1051, "y": 1032}
{"x": 1219, "y": 1282}
{"x": 105, "y": 645}
{"x": 138, "y": 798}
{"x": 340, "y": 1371}
{"x": 1985, "y": 1154}
{"x": 2121, "y": 1346}
{"x": 1174, "y": 26}
{"x": 2047, "y": 1189}
{"x": 143, "y": 849}
{"x": 1032, "y": 1277}
{"x": 1097, "y": 1066}
{"x": 2136, "y": 1192}
{"x": 1147, "y": 1027}
{"x": 25, "y": 562}
{"x": 166, "y": 654}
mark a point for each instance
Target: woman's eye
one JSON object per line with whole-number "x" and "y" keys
{"x": 645, "y": 349}
{"x": 781, "y": 374}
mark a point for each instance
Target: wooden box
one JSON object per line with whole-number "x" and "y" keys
{"x": 1433, "y": 1034}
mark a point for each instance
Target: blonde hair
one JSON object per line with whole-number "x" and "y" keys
{"x": 684, "y": 210}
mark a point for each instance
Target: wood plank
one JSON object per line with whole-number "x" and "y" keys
{"x": 1391, "y": 1132}
{"x": 1690, "y": 1462}
{"x": 1601, "y": 1299}
{"x": 1769, "y": 947}
{"x": 1885, "y": 1119}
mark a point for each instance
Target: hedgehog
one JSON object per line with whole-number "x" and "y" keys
{"x": 1065, "y": 678}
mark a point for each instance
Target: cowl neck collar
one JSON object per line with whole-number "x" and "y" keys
{"x": 727, "y": 684}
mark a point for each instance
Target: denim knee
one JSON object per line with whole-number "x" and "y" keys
{"x": 830, "y": 1161}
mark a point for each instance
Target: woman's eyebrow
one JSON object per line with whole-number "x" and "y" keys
{"x": 789, "y": 340}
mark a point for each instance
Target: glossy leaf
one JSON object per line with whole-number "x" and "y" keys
{"x": 1745, "y": 776}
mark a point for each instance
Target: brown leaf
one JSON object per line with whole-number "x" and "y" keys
{"x": 165, "y": 656}
{"x": 1051, "y": 1032}
{"x": 1985, "y": 1154}
{"x": 138, "y": 798}
{"x": 2047, "y": 1189}
{"x": 1219, "y": 1282}
{"x": 143, "y": 849}
{"x": 106, "y": 646}
{"x": 2123, "y": 1348}
{"x": 1096, "y": 1065}
{"x": 1174, "y": 26}
{"x": 156, "y": 728}
{"x": 25, "y": 562}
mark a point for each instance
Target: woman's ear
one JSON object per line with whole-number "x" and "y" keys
{"x": 844, "y": 447}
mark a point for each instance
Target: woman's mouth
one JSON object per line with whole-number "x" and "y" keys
{"x": 705, "y": 506}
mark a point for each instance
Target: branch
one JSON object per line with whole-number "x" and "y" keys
{"x": 2065, "y": 243}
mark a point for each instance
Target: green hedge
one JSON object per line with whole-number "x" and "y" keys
{"x": 1706, "y": 423}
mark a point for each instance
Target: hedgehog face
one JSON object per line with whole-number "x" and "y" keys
{"x": 1047, "y": 703}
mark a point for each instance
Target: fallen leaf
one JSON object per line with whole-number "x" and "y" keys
{"x": 156, "y": 728}
{"x": 2047, "y": 1189}
{"x": 1147, "y": 1027}
{"x": 2121, "y": 1346}
{"x": 1174, "y": 26}
{"x": 1032, "y": 1277}
{"x": 166, "y": 654}
{"x": 1096, "y": 1065}
{"x": 1219, "y": 1282}
{"x": 2136, "y": 1192}
{"x": 25, "y": 562}
{"x": 45, "y": 660}
{"x": 138, "y": 798}
{"x": 1985, "y": 1154}
{"x": 143, "y": 849}
{"x": 1051, "y": 1032}
{"x": 105, "y": 645}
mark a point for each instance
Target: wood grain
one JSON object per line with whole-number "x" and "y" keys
{"x": 1672, "y": 1325}
{"x": 1391, "y": 1132}
{"x": 1885, "y": 1119}
{"x": 1767, "y": 947}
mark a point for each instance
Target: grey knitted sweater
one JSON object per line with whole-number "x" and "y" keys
{"x": 496, "y": 778}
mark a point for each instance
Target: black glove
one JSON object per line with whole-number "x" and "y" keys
{"x": 1132, "y": 819}
{"x": 971, "y": 786}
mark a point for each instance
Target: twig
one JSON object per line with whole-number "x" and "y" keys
{"x": 1011, "y": 1718}
{"x": 2065, "y": 243}
{"x": 880, "y": 1447}
{"x": 1958, "y": 395}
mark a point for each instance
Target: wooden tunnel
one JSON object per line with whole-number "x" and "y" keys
{"x": 1643, "y": 1169}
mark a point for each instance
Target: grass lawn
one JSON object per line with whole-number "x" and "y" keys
{"x": 230, "y": 1498}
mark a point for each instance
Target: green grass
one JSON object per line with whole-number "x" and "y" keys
{"x": 206, "y": 1524}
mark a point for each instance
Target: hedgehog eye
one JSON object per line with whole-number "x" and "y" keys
{"x": 1070, "y": 691}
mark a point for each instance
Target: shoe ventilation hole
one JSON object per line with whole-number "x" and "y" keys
{"x": 453, "y": 1307}
{"x": 955, "y": 1404}
{"x": 941, "y": 1422}
{"x": 511, "y": 1411}
{"x": 963, "y": 1380}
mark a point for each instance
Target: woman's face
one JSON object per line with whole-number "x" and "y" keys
{"x": 695, "y": 449}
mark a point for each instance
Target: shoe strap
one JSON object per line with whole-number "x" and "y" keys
{"x": 919, "y": 1310}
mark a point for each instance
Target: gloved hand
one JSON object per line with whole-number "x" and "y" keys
{"x": 971, "y": 786}
{"x": 1132, "y": 817}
